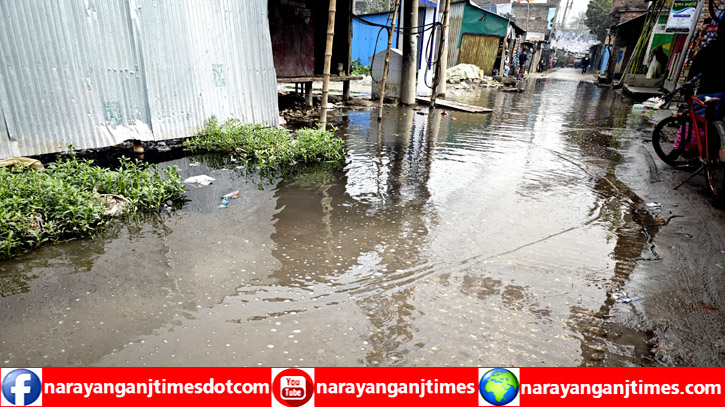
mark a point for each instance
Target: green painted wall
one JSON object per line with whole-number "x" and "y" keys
{"x": 472, "y": 24}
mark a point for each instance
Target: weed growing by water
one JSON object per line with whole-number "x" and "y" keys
{"x": 66, "y": 201}
{"x": 268, "y": 147}
{"x": 359, "y": 69}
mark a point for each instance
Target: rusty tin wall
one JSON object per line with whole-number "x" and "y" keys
{"x": 98, "y": 72}
{"x": 455, "y": 21}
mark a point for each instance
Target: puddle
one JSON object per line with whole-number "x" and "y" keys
{"x": 454, "y": 239}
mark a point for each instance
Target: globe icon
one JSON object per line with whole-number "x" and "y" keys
{"x": 498, "y": 387}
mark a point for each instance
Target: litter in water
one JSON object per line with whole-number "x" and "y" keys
{"x": 623, "y": 298}
{"x": 202, "y": 180}
{"x": 653, "y": 103}
{"x": 618, "y": 295}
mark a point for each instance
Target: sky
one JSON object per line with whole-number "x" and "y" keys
{"x": 577, "y": 7}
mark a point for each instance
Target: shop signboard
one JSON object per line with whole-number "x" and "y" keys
{"x": 682, "y": 14}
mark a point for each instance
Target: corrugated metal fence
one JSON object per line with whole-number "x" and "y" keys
{"x": 455, "y": 22}
{"x": 98, "y": 72}
{"x": 368, "y": 40}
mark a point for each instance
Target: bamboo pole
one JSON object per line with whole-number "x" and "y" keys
{"x": 348, "y": 67}
{"x": 387, "y": 60}
{"x": 441, "y": 51}
{"x": 328, "y": 59}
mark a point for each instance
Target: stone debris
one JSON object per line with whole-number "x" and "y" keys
{"x": 115, "y": 205}
{"x": 468, "y": 76}
{"x": 26, "y": 162}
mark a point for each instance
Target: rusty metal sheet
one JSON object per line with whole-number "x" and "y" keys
{"x": 455, "y": 22}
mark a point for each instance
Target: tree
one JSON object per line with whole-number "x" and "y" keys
{"x": 579, "y": 23}
{"x": 373, "y": 6}
{"x": 598, "y": 19}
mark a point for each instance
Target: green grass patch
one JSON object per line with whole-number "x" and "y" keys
{"x": 268, "y": 147}
{"x": 60, "y": 203}
{"x": 359, "y": 69}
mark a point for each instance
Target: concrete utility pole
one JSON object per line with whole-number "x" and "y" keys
{"x": 440, "y": 76}
{"x": 387, "y": 60}
{"x": 566, "y": 11}
{"x": 410, "y": 54}
{"x": 556, "y": 16}
{"x": 328, "y": 59}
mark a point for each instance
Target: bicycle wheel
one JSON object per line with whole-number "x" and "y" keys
{"x": 716, "y": 9}
{"x": 716, "y": 179}
{"x": 663, "y": 141}
{"x": 715, "y": 168}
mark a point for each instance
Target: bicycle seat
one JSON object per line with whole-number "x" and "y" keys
{"x": 709, "y": 99}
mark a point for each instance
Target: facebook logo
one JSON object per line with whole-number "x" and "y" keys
{"x": 22, "y": 387}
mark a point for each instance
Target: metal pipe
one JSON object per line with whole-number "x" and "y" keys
{"x": 387, "y": 60}
{"x": 328, "y": 59}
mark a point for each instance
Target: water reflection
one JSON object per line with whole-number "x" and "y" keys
{"x": 364, "y": 232}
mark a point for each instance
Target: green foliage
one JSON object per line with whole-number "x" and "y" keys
{"x": 579, "y": 23}
{"x": 598, "y": 19}
{"x": 359, "y": 69}
{"x": 268, "y": 147}
{"x": 373, "y": 6}
{"x": 313, "y": 176}
{"x": 59, "y": 203}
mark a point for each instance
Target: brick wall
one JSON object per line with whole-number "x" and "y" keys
{"x": 532, "y": 17}
{"x": 624, "y": 10}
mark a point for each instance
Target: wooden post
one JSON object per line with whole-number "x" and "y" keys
{"x": 410, "y": 60}
{"x": 308, "y": 94}
{"x": 440, "y": 68}
{"x": 328, "y": 59}
{"x": 504, "y": 49}
{"x": 387, "y": 60}
{"x": 348, "y": 69}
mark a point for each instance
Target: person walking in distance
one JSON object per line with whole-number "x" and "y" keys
{"x": 585, "y": 64}
{"x": 522, "y": 64}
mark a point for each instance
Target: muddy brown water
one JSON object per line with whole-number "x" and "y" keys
{"x": 453, "y": 239}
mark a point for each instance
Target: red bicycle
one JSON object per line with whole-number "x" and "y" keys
{"x": 691, "y": 142}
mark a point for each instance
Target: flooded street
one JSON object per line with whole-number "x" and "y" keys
{"x": 448, "y": 239}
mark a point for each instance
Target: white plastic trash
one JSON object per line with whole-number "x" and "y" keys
{"x": 202, "y": 180}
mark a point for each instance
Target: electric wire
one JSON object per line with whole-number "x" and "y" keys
{"x": 430, "y": 62}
